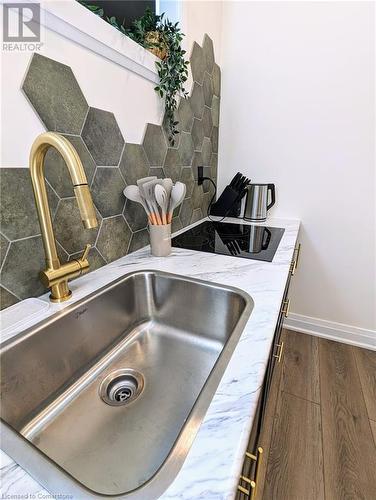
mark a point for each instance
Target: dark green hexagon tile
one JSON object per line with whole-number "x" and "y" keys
{"x": 18, "y": 214}
{"x": 172, "y": 164}
{"x": 114, "y": 237}
{"x": 197, "y": 134}
{"x": 107, "y": 191}
{"x": 4, "y": 244}
{"x": 69, "y": 230}
{"x": 134, "y": 163}
{"x": 197, "y": 100}
{"x": 102, "y": 137}
{"x": 53, "y": 91}
{"x": 155, "y": 145}
{"x": 185, "y": 114}
{"x": 208, "y": 51}
{"x": 207, "y": 121}
{"x": 186, "y": 149}
{"x": 186, "y": 211}
{"x": 20, "y": 272}
{"x": 197, "y": 63}
{"x": 135, "y": 215}
{"x": 139, "y": 240}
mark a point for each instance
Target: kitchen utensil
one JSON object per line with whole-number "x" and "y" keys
{"x": 160, "y": 240}
{"x": 133, "y": 193}
{"x": 140, "y": 184}
{"x": 177, "y": 196}
{"x": 162, "y": 200}
{"x": 256, "y": 205}
{"x": 167, "y": 184}
{"x": 229, "y": 203}
{"x": 149, "y": 195}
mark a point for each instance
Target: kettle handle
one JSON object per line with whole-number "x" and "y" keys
{"x": 265, "y": 243}
{"x": 271, "y": 187}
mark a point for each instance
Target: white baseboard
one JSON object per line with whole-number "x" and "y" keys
{"x": 360, "y": 337}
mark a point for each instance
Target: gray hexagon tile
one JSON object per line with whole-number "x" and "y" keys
{"x": 186, "y": 149}
{"x": 4, "y": 244}
{"x": 62, "y": 254}
{"x": 185, "y": 114}
{"x": 197, "y": 100}
{"x": 208, "y": 50}
{"x": 208, "y": 89}
{"x": 197, "y": 63}
{"x": 176, "y": 224}
{"x": 205, "y": 203}
{"x": 102, "y": 137}
{"x": 57, "y": 173}
{"x": 207, "y": 122}
{"x": 21, "y": 267}
{"x": 186, "y": 212}
{"x": 206, "y": 152}
{"x": 214, "y": 140}
{"x": 196, "y": 215}
{"x": 155, "y": 145}
{"x": 197, "y": 195}
{"x": 187, "y": 178}
{"x": 139, "y": 240}
{"x": 107, "y": 191}
{"x": 197, "y": 162}
{"x": 215, "y": 111}
{"x": 157, "y": 171}
{"x": 135, "y": 215}
{"x": 69, "y": 230}
{"x": 114, "y": 237}
{"x": 172, "y": 164}
{"x": 216, "y": 79}
{"x": 134, "y": 163}
{"x": 55, "y": 95}
{"x": 7, "y": 299}
{"x": 197, "y": 134}
{"x": 214, "y": 166}
{"x": 18, "y": 214}
{"x": 95, "y": 259}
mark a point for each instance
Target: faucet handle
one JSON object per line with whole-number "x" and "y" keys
{"x": 86, "y": 252}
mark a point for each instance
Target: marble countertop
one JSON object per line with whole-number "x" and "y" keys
{"x": 212, "y": 467}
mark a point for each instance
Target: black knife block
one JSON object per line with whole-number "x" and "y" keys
{"x": 228, "y": 204}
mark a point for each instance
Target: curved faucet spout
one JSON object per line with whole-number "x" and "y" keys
{"x": 61, "y": 273}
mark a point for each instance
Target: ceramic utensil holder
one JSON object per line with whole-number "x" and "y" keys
{"x": 160, "y": 240}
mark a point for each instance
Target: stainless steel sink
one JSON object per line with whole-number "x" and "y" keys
{"x": 105, "y": 398}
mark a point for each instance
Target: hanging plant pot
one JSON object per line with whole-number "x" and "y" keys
{"x": 155, "y": 44}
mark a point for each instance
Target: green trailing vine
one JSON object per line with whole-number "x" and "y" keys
{"x": 163, "y": 38}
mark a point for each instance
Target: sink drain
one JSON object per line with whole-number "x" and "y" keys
{"x": 121, "y": 387}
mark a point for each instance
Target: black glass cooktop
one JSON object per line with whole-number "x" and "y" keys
{"x": 239, "y": 240}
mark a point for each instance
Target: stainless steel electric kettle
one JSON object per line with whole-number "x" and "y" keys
{"x": 256, "y": 204}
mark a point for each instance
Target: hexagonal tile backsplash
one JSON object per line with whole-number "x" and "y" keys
{"x": 110, "y": 164}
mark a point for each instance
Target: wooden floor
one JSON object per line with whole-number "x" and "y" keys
{"x": 323, "y": 433}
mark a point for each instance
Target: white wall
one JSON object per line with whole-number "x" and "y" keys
{"x": 105, "y": 85}
{"x": 298, "y": 109}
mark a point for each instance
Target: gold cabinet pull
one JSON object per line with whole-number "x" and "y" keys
{"x": 251, "y": 492}
{"x": 294, "y": 263}
{"x": 286, "y": 308}
{"x": 279, "y": 355}
{"x": 297, "y": 255}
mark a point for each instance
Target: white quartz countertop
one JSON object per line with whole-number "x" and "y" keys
{"x": 212, "y": 467}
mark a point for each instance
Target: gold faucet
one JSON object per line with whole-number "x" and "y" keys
{"x": 56, "y": 275}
